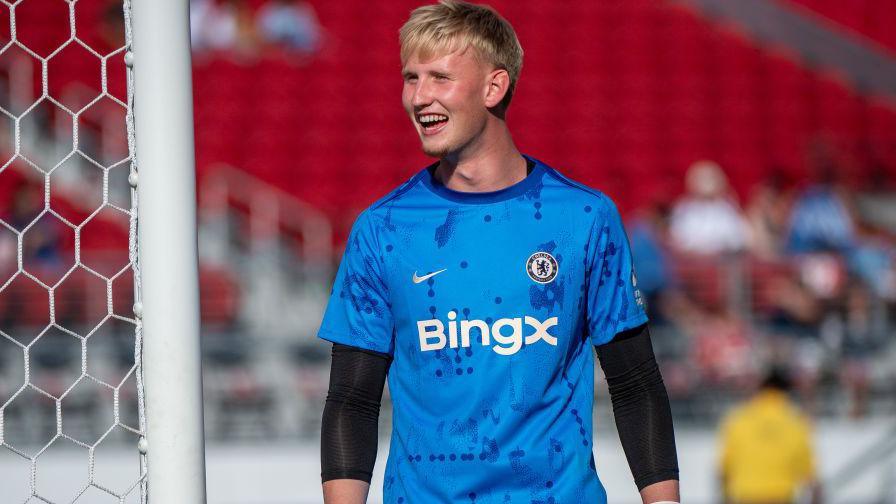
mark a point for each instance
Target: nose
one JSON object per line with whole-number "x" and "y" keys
{"x": 422, "y": 94}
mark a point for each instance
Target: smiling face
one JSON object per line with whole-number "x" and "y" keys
{"x": 447, "y": 98}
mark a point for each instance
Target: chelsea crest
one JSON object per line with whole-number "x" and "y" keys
{"x": 541, "y": 267}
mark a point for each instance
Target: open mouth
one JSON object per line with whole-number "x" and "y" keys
{"x": 432, "y": 123}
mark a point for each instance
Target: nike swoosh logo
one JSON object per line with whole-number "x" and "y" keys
{"x": 418, "y": 279}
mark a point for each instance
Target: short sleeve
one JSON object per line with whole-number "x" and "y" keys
{"x": 358, "y": 312}
{"x": 614, "y": 301}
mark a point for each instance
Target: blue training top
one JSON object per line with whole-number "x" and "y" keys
{"x": 488, "y": 303}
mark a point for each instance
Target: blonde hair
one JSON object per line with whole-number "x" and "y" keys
{"x": 451, "y": 25}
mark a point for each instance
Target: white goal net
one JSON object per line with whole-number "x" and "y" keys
{"x": 71, "y": 395}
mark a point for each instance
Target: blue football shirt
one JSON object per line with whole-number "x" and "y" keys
{"x": 489, "y": 304}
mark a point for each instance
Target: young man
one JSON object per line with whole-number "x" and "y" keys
{"x": 481, "y": 285}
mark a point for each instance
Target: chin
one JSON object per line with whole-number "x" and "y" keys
{"x": 436, "y": 151}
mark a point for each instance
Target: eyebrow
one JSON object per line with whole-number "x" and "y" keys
{"x": 434, "y": 73}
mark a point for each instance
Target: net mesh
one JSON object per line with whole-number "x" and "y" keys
{"x": 71, "y": 394}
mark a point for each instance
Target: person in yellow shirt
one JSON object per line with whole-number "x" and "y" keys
{"x": 766, "y": 448}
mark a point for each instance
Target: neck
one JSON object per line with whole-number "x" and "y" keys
{"x": 489, "y": 163}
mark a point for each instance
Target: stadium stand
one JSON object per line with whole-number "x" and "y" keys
{"x": 681, "y": 90}
{"x": 623, "y": 95}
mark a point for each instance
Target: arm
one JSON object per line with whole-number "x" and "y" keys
{"x": 641, "y": 410}
{"x": 345, "y": 491}
{"x": 663, "y": 492}
{"x": 349, "y": 424}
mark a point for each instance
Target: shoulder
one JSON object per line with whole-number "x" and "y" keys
{"x": 573, "y": 186}
{"x": 379, "y": 210}
{"x": 403, "y": 189}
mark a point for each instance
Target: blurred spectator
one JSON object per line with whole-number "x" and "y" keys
{"x": 793, "y": 308}
{"x": 875, "y": 261}
{"x": 820, "y": 220}
{"x": 227, "y": 26}
{"x": 767, "y": 214}
{"x": 201, "y": 12}
{"x": 291, "y": 24}
{"x": 863, "y": 333}
{"x": 707, "y": 220}
{"x": 647, "y": 235}
{"x": 722, "y": 348}
{"x": 795, "y": 322}
{"x": 823, "y": 221}
{"x": 767, "y": 449}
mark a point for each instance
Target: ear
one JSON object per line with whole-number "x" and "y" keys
{"x": 498, "y": 84}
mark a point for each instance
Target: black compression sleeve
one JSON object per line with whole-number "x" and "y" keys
{"x": 640, "y": 406}
{"x": 349, "y": 427}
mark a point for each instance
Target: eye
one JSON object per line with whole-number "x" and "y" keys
{"x": 441, "y": 77}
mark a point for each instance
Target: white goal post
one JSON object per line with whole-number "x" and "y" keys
{"x": 87, "y": 380}
{"x": 167, "y": 238}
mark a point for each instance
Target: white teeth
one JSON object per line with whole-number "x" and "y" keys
{"x": 430, "y": 118}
